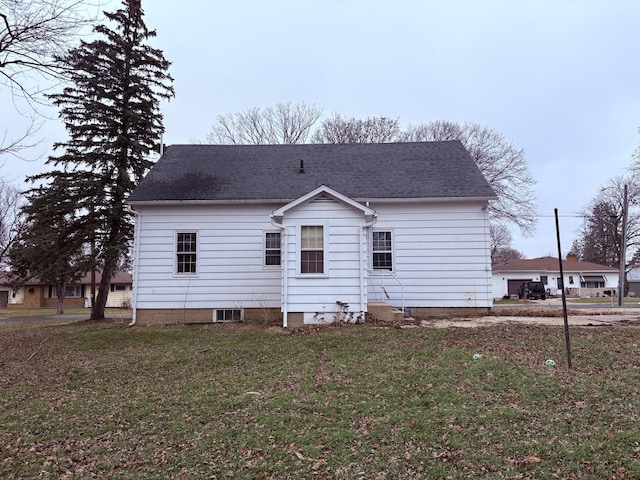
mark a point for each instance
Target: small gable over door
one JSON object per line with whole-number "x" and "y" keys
{"x": 324, "y": 255}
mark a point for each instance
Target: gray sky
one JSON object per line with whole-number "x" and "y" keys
{"x": 558, "y": 78}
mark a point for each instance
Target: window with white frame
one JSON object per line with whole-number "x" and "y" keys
{"x": 272, "y": 252}
{"x": 382, "y": 250}
{"x": 186, "y": 253}
{"x": 311, "y": 249}
{"x": 229, "y": 315}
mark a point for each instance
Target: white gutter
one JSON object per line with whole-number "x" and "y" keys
{"x": 364, "y": 240}
{"x": 283, "y": 263}
{"x": 136, "y": 263}
{"x": 286, "y": 201}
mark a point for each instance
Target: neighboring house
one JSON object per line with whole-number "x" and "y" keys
{"x": 35, "y": 294}
{"x": 310, "y": 233}
{"x": 633, "y": 281}
{"x": 581, "y": 279}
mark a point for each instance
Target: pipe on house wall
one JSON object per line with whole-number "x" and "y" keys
{"x": 136, "y": 263}
{"x": 364, "y": 257}
{"x": 285, "y": 283}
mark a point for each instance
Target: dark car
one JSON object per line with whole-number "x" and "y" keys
{"x": 532, "y": 290}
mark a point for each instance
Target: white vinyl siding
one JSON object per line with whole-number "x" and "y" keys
{"x": 440, "y": 257}
{"x": 440, "y": 254}
{"x": 316, "y": 294}
{"x": 230, "y": 258}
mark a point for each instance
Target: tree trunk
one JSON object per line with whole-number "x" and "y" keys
{"x": 100, "y": 304}
{"x": 60, "y": 292}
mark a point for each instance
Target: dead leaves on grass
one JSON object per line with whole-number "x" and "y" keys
{"x": 317, "y": 463}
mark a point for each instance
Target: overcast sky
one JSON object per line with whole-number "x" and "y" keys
{"x": 559, "y": 78}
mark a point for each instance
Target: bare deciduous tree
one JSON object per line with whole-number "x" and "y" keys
{"x": 352, "y": 130}
{"x": 599, "y": 240}
{"x": 33, "y": 34}
{"x": 11, "y": 219}
{"x": 503, "y": 165}
{"x": 501, "y": 249}
{"x": 285, "y": 123}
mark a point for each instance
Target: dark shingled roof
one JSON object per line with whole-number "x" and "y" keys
{"x": 359, "y": 171}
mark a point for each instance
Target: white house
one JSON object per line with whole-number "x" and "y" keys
{"x": 310, "y": 233}
{"x": 580, "y": 279}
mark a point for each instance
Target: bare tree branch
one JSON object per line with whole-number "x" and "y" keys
{"x": 352, "y": 130}
{"x": 34, "y": 35}
{"x": 599, "y": 239}
{"x": 503, "y": 165}
{"x": 14, "y": 145}
{"x": 11, "y": 219}
{"x": 282, "y": 124}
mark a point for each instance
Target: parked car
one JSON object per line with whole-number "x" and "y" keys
{"x": 532, "y": 290}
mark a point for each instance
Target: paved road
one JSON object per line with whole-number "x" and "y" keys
{"x": 53, "y": 318}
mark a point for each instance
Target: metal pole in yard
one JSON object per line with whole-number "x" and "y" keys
{"x": 564, "y": 298}
{"x": 623, "y": 247}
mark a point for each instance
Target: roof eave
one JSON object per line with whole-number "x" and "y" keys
{"x": 262, "y": 201}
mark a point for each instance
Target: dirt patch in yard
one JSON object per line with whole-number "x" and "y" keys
{"x": 542, "y": 316}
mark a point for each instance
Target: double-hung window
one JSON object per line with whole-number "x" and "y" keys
{"x": 382, "y": 251}
{"x": 186, "y": 253}
{"x": 272, "y": 255}
{"x": 312, "y": 249}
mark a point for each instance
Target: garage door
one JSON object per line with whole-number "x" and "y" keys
{"x": 514, "y": 285}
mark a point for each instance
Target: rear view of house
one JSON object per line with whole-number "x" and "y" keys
{"x": 310, "y": 233}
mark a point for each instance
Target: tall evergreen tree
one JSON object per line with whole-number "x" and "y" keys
{"x": 112, "y": 115}
{"x": 52, "y": 245}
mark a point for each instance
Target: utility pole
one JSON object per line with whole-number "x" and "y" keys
{"x": 567, "y": 338}
{"x": 623, "y": 247}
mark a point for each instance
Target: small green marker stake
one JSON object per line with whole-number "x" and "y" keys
{"x": 550, "y": 363}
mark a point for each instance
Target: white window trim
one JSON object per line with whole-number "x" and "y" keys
{"x": 393, "y": 250}
{"x": 215, "y": 315}
{"x": 264, "y": 249}
{"x": 325, "y": 250}
{"x": 175, "y": 254}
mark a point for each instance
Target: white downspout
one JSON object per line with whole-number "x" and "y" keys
{"x": 136, "y": 263}
{"x": 285, "y": 284}
{"x": 364, "y": 240}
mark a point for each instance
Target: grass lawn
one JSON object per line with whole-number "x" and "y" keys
{"x": 99, "y": 400}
